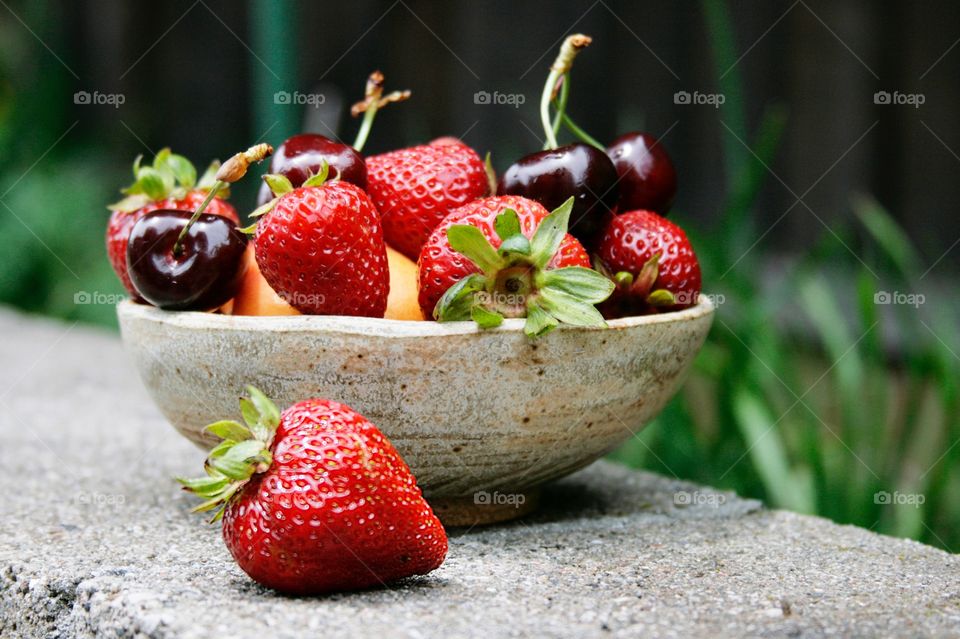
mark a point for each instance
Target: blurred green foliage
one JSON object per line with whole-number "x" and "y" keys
{"x": 809, "y": 394}
{"x": 52, "y": 223}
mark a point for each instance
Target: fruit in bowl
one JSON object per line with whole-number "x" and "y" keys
{"x": 495, "y": 406}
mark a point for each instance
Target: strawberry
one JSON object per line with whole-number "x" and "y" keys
{"x": 321, "y": 248}
{"x": 170, "y": 183}
{"x": 652, "y": 262}
{"x": 505, "y": 256}
{"x": 415, "y": 188}
{"x": 316, "y": 499}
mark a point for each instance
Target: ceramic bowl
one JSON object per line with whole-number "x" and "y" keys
{"x": 482, "y": 417}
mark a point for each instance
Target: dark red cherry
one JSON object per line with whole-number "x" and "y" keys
{"x": 647, "y": 177}
{"x": 577, "y": 170}
{"x": 205, "y": 273}
{"x": 302, "y": 155}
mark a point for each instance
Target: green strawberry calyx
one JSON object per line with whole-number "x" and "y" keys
{"x": 516, "y": 281}
{"x": 169, "y": 176}
{"x": 244, "y": 450}
{"x": 640, "y": 286}
{"x": 280, "y": 185}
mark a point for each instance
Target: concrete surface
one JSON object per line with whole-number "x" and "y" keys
{"x": 97, "y": 541}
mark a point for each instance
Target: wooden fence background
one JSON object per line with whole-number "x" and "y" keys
{"x": 197, "y": 75}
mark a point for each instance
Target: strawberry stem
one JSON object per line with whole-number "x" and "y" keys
{"x": 231, "y": 171}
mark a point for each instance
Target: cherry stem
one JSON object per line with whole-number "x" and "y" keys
{"x": 372, "y": 102}
{"x": 230, "y": 171}
{"x": 178, "y": 245}
{"x": 574, "y": 128}
{"x": 561, "y": 102}
{"x": 365, "y": 127}
{"x": 559, "y": 69}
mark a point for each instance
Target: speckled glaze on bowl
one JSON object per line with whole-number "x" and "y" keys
{"x": 482, "y": 417}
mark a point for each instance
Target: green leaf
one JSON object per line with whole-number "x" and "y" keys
{"x": 264, "y": 208}
{"x": 518, "y": 244}
{"x": 456, "y": 303}
{"x": 889, "y": 235}
{"x": 319, "y": 178}
{"x": 215, "y": 502}
{"x": 218, "y": 501}
{"x": 583, "y": 283}
{"x": 164, "y": 170}
{"x": 131, "y": 203}
{"x": 485, "y": 318}
{"x": 183, "y": 170}
{"x": 821, "y": 303}
{"x": 249, "y": 412}
{"x": 470, "y": 241}
{"x": 219, "y": 449}
{"x": 570, "y": 310}
{"x": 507, "y": 224}
{"x": 160, "y": 159}
{"x": 764, "y": 444}
{"x": 229, "y": 429}
{"x": 279, "y": 184}
{"x": 151, "y": 182}
{"x": 209, "y": 178}
{"x": 539, "y": 322}
{"x": 546, "y": 240}
{"x": 269, "y": 414}
{"x": 249, "y": 230}
{"x": 234, "y": 461}
{"x": 205, "y": 486}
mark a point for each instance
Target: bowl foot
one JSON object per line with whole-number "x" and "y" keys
{"x": 485, "y": 508}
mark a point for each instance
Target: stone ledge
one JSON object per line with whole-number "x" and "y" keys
{"x": 98, "y": 541}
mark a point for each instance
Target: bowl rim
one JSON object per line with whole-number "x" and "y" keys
{"x": 376, "y": 326}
